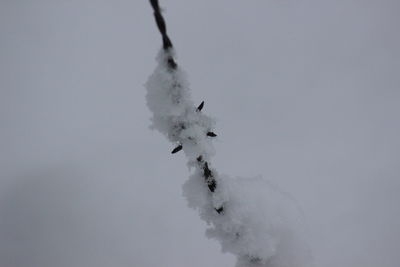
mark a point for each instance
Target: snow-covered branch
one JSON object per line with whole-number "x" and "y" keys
{"x": 174, "y": 113}
{"x": 248, "y": 216}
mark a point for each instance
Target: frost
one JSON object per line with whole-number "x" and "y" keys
{"x": 250, "y": 218}
{"x": 174, "y": 113}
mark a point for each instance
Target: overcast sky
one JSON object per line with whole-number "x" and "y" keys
{"x": 306, "y": 93}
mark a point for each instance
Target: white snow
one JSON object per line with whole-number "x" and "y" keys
{"x": 259, "y": 224}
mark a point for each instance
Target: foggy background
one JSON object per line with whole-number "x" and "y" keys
{"x": 305, "y": 92}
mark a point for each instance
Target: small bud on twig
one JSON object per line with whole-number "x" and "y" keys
{"x": 219, "y": 210}
{"x": 211, "y": 134}
{"x": 200, "y": 107}
{"x": 176, "y": 149}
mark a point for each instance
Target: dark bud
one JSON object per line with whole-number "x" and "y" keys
{"x": 176, "y": 149}
{"x": 199, "y": 158}
{"x": 211, "y": 134}
{"x": 219, "y": 210}
{"x": 200, "y": 107}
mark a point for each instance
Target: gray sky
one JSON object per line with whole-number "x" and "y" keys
{"x": 305, "y": 92}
